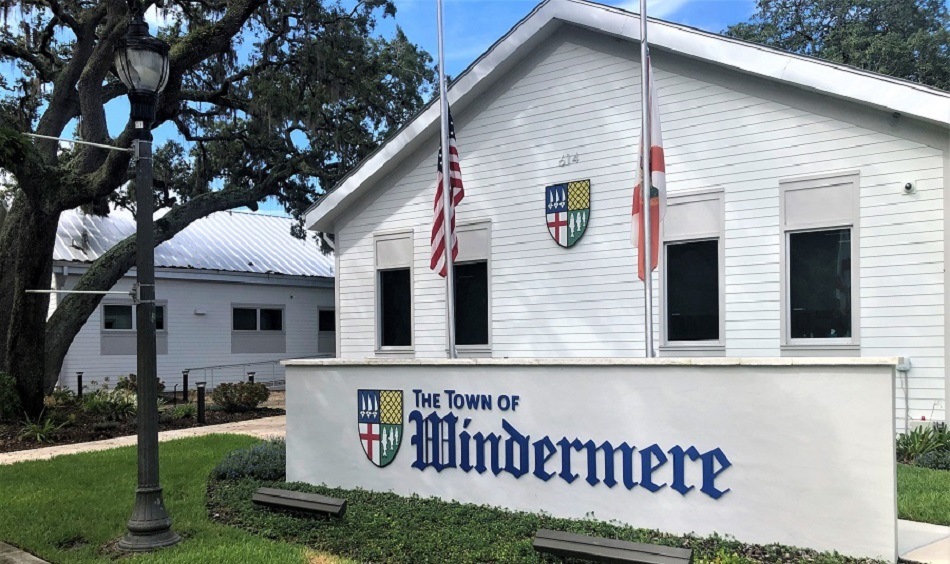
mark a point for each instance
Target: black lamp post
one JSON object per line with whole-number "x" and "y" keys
{"x": 142, "y": 64}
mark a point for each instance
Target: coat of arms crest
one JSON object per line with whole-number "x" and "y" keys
{"x": 379, "y": 414}
{"x": 567, "y": 208}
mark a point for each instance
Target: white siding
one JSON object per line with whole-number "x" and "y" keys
{"x": 579, "y": 93}
{"x": 202, "y": 340}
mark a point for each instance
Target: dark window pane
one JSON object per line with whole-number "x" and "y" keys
{"x": 327, "y": 320}
{"x": 395, "y": 308}
{"x": 159, "y": 318}
{"x": 471, "y": 303}
{"x": 820, "y": 284}
{"x": 245, "y": 319}
{"x": 117, "y": 316}
{"x": 272, "y": 320}
{"x": 692, "y": 291}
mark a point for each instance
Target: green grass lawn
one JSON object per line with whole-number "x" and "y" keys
{"x": 923, "y": 494}
{"x": 66, "y": 509}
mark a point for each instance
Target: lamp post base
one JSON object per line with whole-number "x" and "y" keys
{"x": 150, "y": 525}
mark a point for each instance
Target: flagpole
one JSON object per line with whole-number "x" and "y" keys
{"x": 446, "y": 199}
{"x": 647, "y": 182}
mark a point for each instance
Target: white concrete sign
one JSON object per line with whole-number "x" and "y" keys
{"x": 795, "y": 451}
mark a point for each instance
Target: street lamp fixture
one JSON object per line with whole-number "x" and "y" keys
{"x": 141, "y": 62}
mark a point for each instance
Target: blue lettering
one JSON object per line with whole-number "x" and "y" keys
{"x": 504, "y": 402}
{"x": 521, "y": 441}
{"x": 679, "y": 467}
{"x": 436, "y": 442}
{"x": 709, "y": 474}
{"x": 646, "y": 464}
{"x": 540, "y": 457}
{"x": 486, "y": 402}
{"x": 565, "y": 472}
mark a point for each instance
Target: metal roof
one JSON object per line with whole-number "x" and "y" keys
{"x": 832, "y": 79}
{"x": 223, "y": 241}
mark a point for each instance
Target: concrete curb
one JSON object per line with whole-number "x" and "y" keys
{"x": 12, "y": 555}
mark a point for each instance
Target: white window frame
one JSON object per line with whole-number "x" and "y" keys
{"x": 696, "y": 348}
{"x": 849, "y": 219}
{"x": 378, "y": 338}
{"x": 465, "y": 256}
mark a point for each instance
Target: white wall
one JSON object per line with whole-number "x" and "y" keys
{"x": 578, "y": 93}
{"x": 829, "y": 483}
{"x": 202, "y": 340}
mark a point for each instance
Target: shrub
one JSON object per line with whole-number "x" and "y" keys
{"x": 113, "y": 405}
{"x": 243, "y": 396}
{"x": 265, "y": 461}
{"x": 39, "y": 430}
{"x": 935, "y": 460}
{"x": 185, "y": 411}
{"x": 130, "y": 383}
{"x": 10, "y": 407}
{"x": 918, "y": 442}
{"x": 60, "y": 397}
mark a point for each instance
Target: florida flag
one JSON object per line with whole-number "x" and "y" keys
{"x": 657, "y": 186}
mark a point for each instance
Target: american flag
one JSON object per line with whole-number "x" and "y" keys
{"x": 437, "y": 260}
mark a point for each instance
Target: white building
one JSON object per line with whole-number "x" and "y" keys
{"x": 235, "y": 291}
{"x": 806, "y": 207}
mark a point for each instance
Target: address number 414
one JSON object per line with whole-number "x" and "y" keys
{"x": 567, "y": 160}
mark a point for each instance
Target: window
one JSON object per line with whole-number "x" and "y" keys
{"x": 394, "y": 307}
{"x": 257, "y": 329}
{"x": 819, "y": 255}
{"x": 117, "y": 317}
{"x": 257, "y": 319}
{"x": 693, "y": 275}
{"x": 473, "y": 290}
{"x": 819, "y": 277}
{"x": 471, "y": 303}
{"x": 396, "y": 304}
{"x": 122, "y": 317}
{"x": 692, "y": 291}
{"x": 118, "y": 330}
{"x": 326, "y": 320}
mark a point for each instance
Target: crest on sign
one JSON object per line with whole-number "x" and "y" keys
{"x": 567, "y": 209}
{"x": 379, "y": 415}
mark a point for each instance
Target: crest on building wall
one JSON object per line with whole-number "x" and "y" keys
{"x": 567, "y": 209}
{"x": 379, "y": 415}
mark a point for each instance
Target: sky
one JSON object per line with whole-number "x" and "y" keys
{"x": 472, "y": 26}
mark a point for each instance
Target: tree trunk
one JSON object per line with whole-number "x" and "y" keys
{"x": 26, "y": 262}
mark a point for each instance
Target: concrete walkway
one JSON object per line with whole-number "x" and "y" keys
{"x": 917, "y": 542}
{"x": 264, "y": 428}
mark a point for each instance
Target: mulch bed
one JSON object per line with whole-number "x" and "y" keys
{"x": 86, "y": 428}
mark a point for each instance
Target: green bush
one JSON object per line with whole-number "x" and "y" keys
{"x": 112, "y": 405}
{"x": 40, "y": 430}
{"x": 10, "y": 407}
{"x": 265, "y": 461}
{"x": 918, "y": 442}
{"x": 130, "y": 383}
{"x": 186, "y": 411}
{"x": 935, "y": 460}
{"x": 242, "y": 396}
{"x": 60, "y": 397}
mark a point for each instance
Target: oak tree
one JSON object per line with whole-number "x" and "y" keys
{"x": 267, "y": 98}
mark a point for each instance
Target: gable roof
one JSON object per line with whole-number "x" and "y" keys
{"x": 223, "y": 241}
{"x": 836, "y": 80}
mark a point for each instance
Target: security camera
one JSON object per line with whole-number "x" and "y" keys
{"x": 909, "y": 188}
